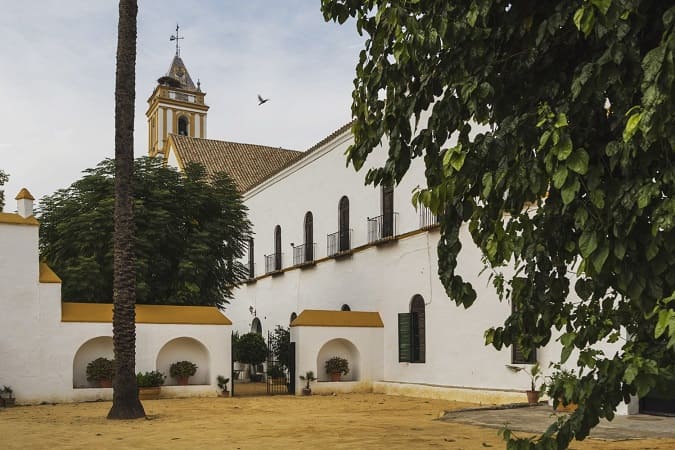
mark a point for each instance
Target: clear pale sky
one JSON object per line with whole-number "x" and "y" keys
{"x": 57, "y": 78}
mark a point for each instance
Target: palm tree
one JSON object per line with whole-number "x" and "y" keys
{"x": 126, "y": 404}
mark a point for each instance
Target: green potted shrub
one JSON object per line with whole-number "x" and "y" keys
{"x": 336, "y": 367}
{"x": 7, "y": 396}
{"x": 182, "y": 371}
{"x": 100, "y": 372}
{"x": 560, "y": 388}
{"x": 149, "y": 384}
{"x": 307, "y": 377}
{"x": 534, "y": 372}
{"x": 222, "y": 385}
{"x": 276, "y": 374}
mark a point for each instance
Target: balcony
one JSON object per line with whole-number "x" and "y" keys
{"x": 427, "y": 218}
{"x": 339, "y": 243}
{"x": 304, "y": 254}
{"x": 273, "y": 262}
{"x": 382, "y": 228}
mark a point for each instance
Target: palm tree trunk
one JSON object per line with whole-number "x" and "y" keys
{"x": 126, "y": 404}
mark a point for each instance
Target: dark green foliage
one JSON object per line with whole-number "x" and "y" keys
{"x": 100, "y": 369}
{"x": 564, "y": 122}
{"x": 337, "y": 365}
{"x": 182, "y": 369}
{"x": 276, "y": 371}
{"x": 187, "y": 229}
{"x": 249, "y": 348}
{"x": 150, "y": 379}
{"x": 281, "y": 346}
{"x": 3, "y": 179}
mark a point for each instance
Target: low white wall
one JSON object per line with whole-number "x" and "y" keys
{"x": 361, "y": 346}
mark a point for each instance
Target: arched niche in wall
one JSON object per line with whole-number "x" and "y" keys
{"x": 343, "y": 348}
{"x": 184, "y": 349}
{"x": 256, "y": 326}
{"x": 98, "y": 347}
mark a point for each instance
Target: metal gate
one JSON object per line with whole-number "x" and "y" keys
{"x": 280, "y": 373}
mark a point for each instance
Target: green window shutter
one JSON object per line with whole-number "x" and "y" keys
{"x": 404, "y": 337}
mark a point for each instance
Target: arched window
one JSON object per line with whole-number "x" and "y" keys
{"x": 277, "y": 247}
{"x": 256, "y": 326}
{"x": 343, "y": 224}
{"x": 309, "y": 237}
{"x": 293, "y": 317}
{"x": 387, "y": 210}
{"x": 411, "y": 333}
{"x": 183, "y": 125}
{"x": 345, "y": 307}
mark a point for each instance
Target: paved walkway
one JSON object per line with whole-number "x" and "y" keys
{"x": 536, "y": 419}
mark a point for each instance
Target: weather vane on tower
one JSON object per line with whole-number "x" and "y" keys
{"x": 176, "y": 38}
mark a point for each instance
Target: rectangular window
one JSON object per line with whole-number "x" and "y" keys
{"x": 517, "y": 354}
{"x": 411, "y": 342}
{"x": 404, "y": 338}
{"x": 251, "y": 260}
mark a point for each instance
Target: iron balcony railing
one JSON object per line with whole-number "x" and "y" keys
{"x": 427, "y": 218}
{"x": 382, "y": 227}
{"x": 339, "y": 242}
{"x": 303, "y": 254}
{"x": 273, "y": 262}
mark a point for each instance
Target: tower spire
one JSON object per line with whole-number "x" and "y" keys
{"x": 176, "y": 38}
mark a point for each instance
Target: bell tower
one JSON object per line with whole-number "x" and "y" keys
{"x": 176, "y": 106}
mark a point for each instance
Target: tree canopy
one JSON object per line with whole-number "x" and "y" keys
{"x": 562, "y": 125}
{"x": 3, "y": 179}
{"x": 190, "y": 232}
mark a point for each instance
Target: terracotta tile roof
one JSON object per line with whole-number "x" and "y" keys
{"x": 247, "y": 164}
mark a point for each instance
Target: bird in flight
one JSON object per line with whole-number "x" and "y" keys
{"x": 262, "y": 100}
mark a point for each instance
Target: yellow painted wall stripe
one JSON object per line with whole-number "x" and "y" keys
{"x": 47, "y": 275}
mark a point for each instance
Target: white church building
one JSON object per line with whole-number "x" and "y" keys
{"x": 352, "y": 269}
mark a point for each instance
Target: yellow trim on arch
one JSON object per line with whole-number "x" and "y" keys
{"x": 163, "y": 314}
{"x": 326, "y": 318}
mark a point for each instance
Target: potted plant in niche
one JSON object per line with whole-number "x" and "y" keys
{"x": 561, "y": 388}
{"x": 149, "y": 384}
{"x": 7, "y": 396}
{"x": 336, "y": 367}
{"x": 100, "y": 372}
{"x": 182, "y": 371}
{"x": 222, "y": 385}
{"x": 534, "y": 372}
{"x": 308, "y": 377}
{"x": 276, "y": 374}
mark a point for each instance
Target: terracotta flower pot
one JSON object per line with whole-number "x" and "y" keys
{"x": 335, "y": 376}
{"x": 182, "y": 381}
{"x": 532, "y": 397}
{"x": 104, "y": 383}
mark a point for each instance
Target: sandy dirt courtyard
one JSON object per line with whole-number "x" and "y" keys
{"x": 352, "y": 421}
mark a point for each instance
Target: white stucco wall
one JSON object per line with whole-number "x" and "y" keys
{"x": 379, "y": 278}
{"x": 361, "y": 346}
{"x": 39, "y": 353}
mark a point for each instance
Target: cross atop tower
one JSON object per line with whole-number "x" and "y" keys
{"x": 176, "y": 38}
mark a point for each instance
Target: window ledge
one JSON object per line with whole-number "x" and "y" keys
{"x": 305, "y": 265}
{"x": 343, "y": 254}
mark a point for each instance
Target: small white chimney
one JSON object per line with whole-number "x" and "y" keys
{"x": 24, "y": 203}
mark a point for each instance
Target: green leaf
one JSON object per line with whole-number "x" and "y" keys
{"x": 584, "y": 19}
{"x": 631, "y": 126}
{"x": 630, "y": 373}
{"x": 563, "y": 149}
{"x": 602, "y": 5}
{"x": 560, "y": 121}
{"x": 570, "y": 191}
{"x": 666, "y": 319}
{"x": 560, "y": 176}
{"x": 578, "y": 161}
{"x": 588, "y": 242}
{"x": 600, "y": 257}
